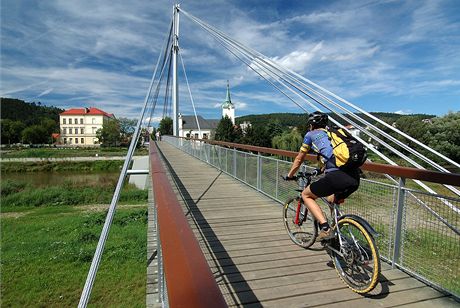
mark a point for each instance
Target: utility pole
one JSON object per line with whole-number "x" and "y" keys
{"x": 175, "y": 85}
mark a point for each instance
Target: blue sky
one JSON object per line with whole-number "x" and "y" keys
{"x": 391, "y": 56}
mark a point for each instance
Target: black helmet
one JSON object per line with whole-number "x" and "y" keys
{"x": 317, "y": 119}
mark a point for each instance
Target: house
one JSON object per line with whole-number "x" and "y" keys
{"x": 188, "y": 126}
{"x": 79, "y": 125}
{"x": 353, "y": 130}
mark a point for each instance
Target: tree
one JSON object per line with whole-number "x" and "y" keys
{"x": 290, "y": 141}
{"x": 444, "y": 135}
{"x": 127, "y": 127}
{"x": 225, "y": 130}
{"x": 274, "y": 128}
{"x": 166, "y": 126}
{"x": 110, "y": 134}
{"x": 35, "y": 134}
{"x": 11, "y": 131}
{"x": 28, "y": 113}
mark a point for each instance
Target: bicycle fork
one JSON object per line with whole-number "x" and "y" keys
{"x": 297, "y": 213}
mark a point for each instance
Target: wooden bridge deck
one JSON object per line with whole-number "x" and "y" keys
{"x": 255, "y": 264}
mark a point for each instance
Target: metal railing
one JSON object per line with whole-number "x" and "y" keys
{"x": 418, "y": 232}
{"x": 184, "y": 277}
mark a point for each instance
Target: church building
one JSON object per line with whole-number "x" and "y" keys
{"x": 188, "y": 126}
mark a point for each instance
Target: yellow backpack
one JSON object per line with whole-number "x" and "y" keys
{"x": 349, "y": 153}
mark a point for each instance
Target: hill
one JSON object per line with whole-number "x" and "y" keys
{"x": 299, "y": 119}
{"x": 27, "y": 122}
{"x": 27, "y": 113}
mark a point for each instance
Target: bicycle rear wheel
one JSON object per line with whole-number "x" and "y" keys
{"x": 359, "y": 267}
{"x": 305, "y": 231}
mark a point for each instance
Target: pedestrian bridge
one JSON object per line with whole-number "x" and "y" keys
{"x": 216, "y": 237}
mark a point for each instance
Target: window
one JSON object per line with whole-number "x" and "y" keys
{"x": 76, "y": 140}
{"x": 70, "y": 131}
{"x": 64, "y": 120}
{"x": 205, "y": 136}
{"x": 188, "y": 135}
{"x": 70, "y": 140}
{"x": 94, "y": 121}
{"x": 65, "y": 140}
{"x": 64, "y": 131}
{"x": 70, "y": 121}
{"x": 196, "y": 135}
{"x": 82, "y": 140}
{"x": 81, "y": 121}
{"x": 76, "y": 121}
{"x": 82, "y": 130}
{"x": 76, "y": 131}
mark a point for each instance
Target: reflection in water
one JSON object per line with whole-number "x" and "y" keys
{"x": 43, "y": 179}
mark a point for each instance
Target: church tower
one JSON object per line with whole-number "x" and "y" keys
{"x": 228, "y": 109}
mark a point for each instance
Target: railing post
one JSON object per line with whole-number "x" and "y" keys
{"x": 277, "y": 181}
{"x": 226, "y": 160}
{"x": 259, "y": 171}
{"x": 399, "y": 222}
{"x": 234, "y": 162}
{"x": 245, "y": 167}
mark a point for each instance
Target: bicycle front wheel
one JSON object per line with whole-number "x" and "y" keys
{"x": 303, "y": 230}
{"x": 359, "y": 265}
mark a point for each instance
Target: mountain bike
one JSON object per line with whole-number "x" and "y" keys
{"x": 353, "y": 250}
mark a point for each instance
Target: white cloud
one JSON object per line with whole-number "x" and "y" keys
{"x": 152, "y": 120}
{"x": 404, "y": 112}
{"x": 241, "y": 105}
{"x": 47, "y": 91}
{"x": 103, "y": 52}
{"x": 298, "y": 60}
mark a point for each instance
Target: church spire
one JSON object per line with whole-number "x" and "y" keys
{"x": 228, "y": 101}
{"x": 227, "y": 107}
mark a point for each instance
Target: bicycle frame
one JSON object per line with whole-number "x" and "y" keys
{"x": 304, "y": 179}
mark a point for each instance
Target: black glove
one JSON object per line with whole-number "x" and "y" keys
{"x": 288, "y": 178}
{"x": 316, "y": 172}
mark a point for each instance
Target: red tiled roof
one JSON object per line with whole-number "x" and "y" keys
{"x": 55, "y": 135}
{"x": 83, "y": 111}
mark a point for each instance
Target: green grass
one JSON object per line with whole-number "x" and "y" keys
{"x": 46, "y": 254}
{"x": 68, "y": 152}
{"x": 435, "y": 256}
{"x": 20, "y": 195}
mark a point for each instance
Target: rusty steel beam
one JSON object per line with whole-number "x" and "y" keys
{"x": 189, "y": 280}
{"x": 404, "y": 172}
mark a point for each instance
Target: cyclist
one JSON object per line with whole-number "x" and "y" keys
{"x": 336, "y": 184}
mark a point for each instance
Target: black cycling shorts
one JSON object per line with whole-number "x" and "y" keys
{"x": 337, "y": 182}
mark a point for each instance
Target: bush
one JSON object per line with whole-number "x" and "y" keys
{"x": 9, "y": 187}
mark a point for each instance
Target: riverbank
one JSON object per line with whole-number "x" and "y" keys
{"x": 17, "y": 196}
{"x": 68, "y": 152}
{"x": 64, "y": 165}
{"x": 66, "y": 159}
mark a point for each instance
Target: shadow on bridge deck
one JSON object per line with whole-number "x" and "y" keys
{"x": 255, "y": 264}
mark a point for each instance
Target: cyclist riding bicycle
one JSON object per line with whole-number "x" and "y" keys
{"x": 336, "y": 184}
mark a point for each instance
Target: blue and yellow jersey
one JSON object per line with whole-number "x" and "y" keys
{"x": 318, "y": 141}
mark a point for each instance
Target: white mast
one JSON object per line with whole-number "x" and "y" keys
{"x": 175, "y": 85}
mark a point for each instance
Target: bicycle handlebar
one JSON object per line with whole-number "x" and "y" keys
{"x": 305, "y": 175}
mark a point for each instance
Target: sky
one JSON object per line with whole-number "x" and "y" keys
{"x": 389, "y": 56}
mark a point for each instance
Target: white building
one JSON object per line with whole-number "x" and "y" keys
{"x": 79, "y": 125}
{"x": 353, "y": 130}
{"x": 188, "y": 126}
